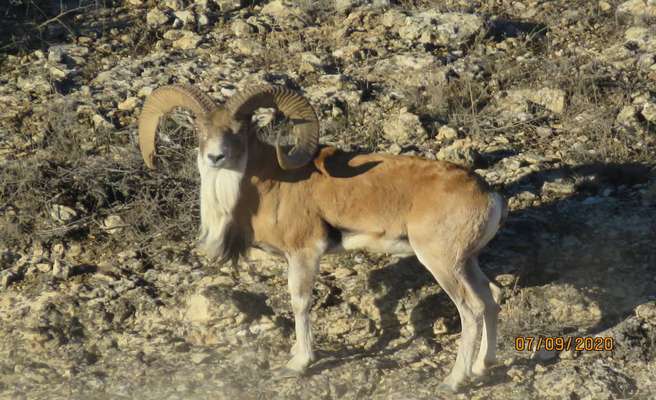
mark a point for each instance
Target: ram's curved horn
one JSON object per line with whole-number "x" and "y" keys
{"x": 295, "y": 107}
{"x": 161, "y": 102}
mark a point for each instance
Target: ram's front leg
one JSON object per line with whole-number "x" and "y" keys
{"x": 303, "y": 268}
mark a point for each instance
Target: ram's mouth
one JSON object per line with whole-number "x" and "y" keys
{"x": 216, "y": 159}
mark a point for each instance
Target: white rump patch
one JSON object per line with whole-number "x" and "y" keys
{"x": 497, "y": 210}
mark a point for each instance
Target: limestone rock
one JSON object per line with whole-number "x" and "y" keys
{"x": 647, "y": 312}
{"x": 444, "y": 29}
{"x": 583, "y": 382}
{"x": 559, "y": 187}
{"x": 156, "y": 17}
{"x": 393, "y": 18}
{"x": 113, "y": 224}
{"x": 183, "y": 39}
{"x": 517, "y": 101}
{"x": 99, "y": 122}
{"x": 649, "y": 112}
{"x": 638, "y": 8}
{"x": 403, "y": 126}
{"x": 227, "y": 5}
{"x": 247, "y": 47}
{"x": 446, "y": 133}
{"x": 241, "y": 28}
{"x": 62, "y": 214}
{"x": 174, "y": 5}
{"x": 641, "y": 36}
{"x": 128, "y": 104}
{"x": 460, "y": 152}
{"x": 628, "y": 117}
{"x": 344, "y": 6}
{"x": 287, "y": 14}
{"x": 187, "y": 17}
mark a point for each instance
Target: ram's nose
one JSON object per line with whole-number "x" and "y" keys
{"x": 215, "y": 158}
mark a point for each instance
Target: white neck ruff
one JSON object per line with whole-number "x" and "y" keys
{"x": 219, "y": 193}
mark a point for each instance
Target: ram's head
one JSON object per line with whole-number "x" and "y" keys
{"x": 225, "y": 131}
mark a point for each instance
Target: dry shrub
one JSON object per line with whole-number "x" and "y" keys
{"x": 109, "y": 179}
{"x": 29, "y": 24}
{"x": 458, "y": 102}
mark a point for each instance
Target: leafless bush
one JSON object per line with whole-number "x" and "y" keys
{"x": 460, "y": 102}
{"x": 28, "y": 24}
{"x": 107, "y": 179}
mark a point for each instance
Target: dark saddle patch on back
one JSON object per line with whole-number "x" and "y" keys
{"x": 330, "y": 161}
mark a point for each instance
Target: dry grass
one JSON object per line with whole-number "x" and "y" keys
{"x": 30, "y": 24}
{"x": 459, "y": 101}
{"x": 106, "y": 179}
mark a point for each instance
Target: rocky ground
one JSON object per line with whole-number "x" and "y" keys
{"x": 103, "y": 296}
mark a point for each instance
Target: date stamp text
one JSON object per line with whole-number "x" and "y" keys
{"x": 564, "y": 343}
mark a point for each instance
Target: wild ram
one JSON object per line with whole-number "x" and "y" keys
{"x": 312, "y": 200}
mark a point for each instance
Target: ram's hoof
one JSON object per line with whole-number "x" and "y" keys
{"x": 285, "y": 373}
{"x": 447, "y": 389}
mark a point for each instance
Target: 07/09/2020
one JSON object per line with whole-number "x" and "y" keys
{"x": 560, "y": 343}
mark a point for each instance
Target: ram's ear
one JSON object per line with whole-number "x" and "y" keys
{"x": 320, "y": 159}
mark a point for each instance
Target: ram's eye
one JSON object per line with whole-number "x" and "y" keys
{"x": 236, "y": 139}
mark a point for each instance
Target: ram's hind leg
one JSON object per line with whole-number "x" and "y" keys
{"x": 487, "y": 353}
{"x": 460, "y": 281}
